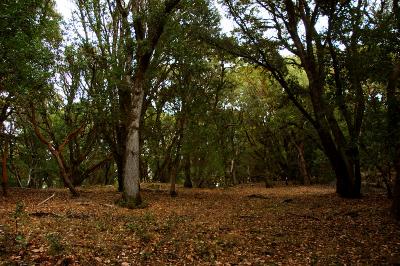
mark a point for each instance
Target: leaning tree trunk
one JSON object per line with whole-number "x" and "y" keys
{"x": 64, "y": 175}
{"x": 57, "y": 151}
{"x": 302, "y": 163}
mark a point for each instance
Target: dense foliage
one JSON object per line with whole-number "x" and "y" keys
{"x": 300, "y": 91}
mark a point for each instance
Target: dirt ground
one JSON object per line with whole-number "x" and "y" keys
{"x": 246, "y": 225}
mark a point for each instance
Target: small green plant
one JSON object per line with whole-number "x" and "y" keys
{"x": 149, "y": 218}
{"x": 101, "y": 225}
{"x": 131, "y": 204}
{"x": 21, "y": 241}
{"x": 17, "y": 214}
{"x": 145, "y": 255}
{"x": 203, "y": 250}
{"x": 314, "y": 260}
{"x": 55, "y": 243}
{"x": 139, "y": 231}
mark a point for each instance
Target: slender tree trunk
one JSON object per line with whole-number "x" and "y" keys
{"x": 4, "y": 169}
{"x": 386, "y": 176}
{"x": 174, "y": 170}
{"x": 120, "y": 172}
{"x": 302, "y": 163}
{"x": 144, "y": 173}
{"x": 188, "y": 180}
{"x": 172, "y": 189}
{"x": 64, "y": 174}
{"x": 107, "y": 167}
{"x": 232, "y": 172}
{"x": 56, "y": 152}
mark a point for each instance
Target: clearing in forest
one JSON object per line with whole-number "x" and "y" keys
{"x": 246, "y": 225}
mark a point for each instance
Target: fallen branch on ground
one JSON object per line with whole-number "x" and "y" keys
{"x": 47, "y": 199}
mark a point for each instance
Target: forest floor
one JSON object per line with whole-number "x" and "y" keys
{"x": 245, "y": 225}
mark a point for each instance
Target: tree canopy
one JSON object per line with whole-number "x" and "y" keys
{"x": 154, "y": 91}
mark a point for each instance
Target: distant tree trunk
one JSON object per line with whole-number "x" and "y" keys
{"x": 107, "y": 167}
{"x": 120, "y": 173}
{"x": 302, "y": 163}
{"x": 386, "y": 176}
{"x": 78, "y": 176}
{"x": 4, "y": 169}
{"x": 188, "y": 179}
{"x": 14, "y": 170}
{"x": 172, "y": 189}
{"x": 162, "y": 171}
{"x": 232, "y": 172}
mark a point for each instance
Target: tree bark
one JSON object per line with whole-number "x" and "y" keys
{"x": 138, "y": 52}
{"x": 131, "y": 172}
{"x": 311, "y": 49}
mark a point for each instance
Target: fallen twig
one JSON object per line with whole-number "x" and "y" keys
{"x": 257, "y": 196}
{"x": 45, "y": 214}
{"x": 47, "y": 199}
{"x": 108, "y": 205}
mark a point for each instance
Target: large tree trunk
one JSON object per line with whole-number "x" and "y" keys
{"x": 147, "y": 37}
{"x": 131, "y": 172}
{"x": 132, "y": 165}
{"x": 346, "y": 183}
